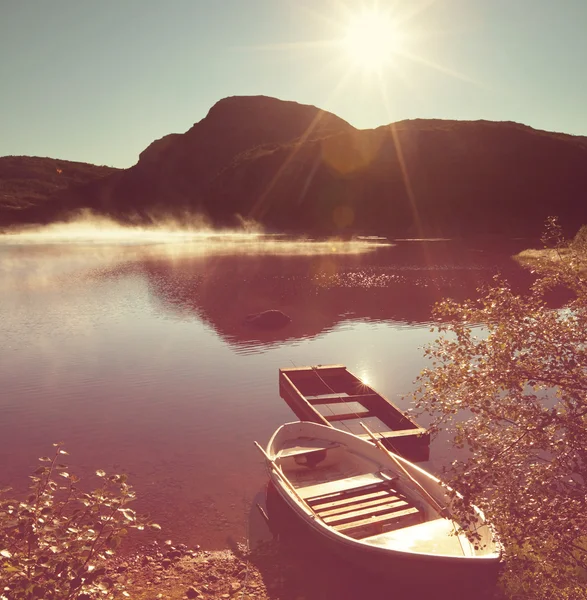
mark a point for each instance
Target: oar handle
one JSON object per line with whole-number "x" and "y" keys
{"x": 284, "y": 479}
{"x": 263, "y": 452}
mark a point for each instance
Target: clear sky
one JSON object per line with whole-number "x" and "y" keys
{"x": 98, "y": 80}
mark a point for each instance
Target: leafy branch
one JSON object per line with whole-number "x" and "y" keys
{"x": 508, "y": 378}
{"x": 56, "y": 544}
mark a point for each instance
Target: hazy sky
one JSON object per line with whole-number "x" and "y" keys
{"x": 98, "y": 80}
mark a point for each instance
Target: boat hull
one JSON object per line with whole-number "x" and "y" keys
{"x": 348, "y": 470}
{"x": 416, "y": 576}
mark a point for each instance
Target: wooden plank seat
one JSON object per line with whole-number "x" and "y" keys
{"x": 307, "y": 448}
{"x": 364, "y": 511}
{"x": 315, "y": 492}
{"x": 349, "y": 506}
{"x": 353, "y": 425}
{"x": 367, "y": 484}
{"x": 334, "y": 396}
{"x": 363, "y": 414}
{"x": 340, "y": 503}
{"x": 351, "y": 516}
{"x": 399, "y": 433}
{"x": 394, "y": 519}
{"x": 340, "y": 397}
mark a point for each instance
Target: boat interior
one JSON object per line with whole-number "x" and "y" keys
{"x": 374, "y": 503}
{"x": 344, "y": 401}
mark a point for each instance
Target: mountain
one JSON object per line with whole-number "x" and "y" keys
{"x": 186, "y": 173}
{"x": 296, "y": 168}
{"x": 33, "y": 189}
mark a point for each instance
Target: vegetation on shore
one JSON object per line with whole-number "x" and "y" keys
{"x": 509, "y": 369}
{"x": 56, "y": 544}
{"x": 41, "y": 190}
{"x": 63, "y": 544}
{"x": 572, "y": 254}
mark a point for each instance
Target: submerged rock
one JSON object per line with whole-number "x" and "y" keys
{"x": 268, "y": 319}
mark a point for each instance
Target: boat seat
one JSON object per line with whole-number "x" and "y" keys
{"x": 349, "y": 486}
{"x": 329, "y": 396}
{"x": 396, "y": 517}
{"x": 340, "y": 410}
{"x": 342, "y": 397}
{"x": 361, "y": 511}
{"x": 306, "y": 449}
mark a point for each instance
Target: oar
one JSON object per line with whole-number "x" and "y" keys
{"x": 442, "y": 510}
{"x": 429, "y": 498}
{"x": 285, "y": 480}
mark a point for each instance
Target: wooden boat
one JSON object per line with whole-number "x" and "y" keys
{"x": 332, "y": 395}
{"x": 377, "y": 509}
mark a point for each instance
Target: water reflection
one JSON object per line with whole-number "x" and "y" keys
{"x": 136, "y": 356}
{"x": 398, "y": 283}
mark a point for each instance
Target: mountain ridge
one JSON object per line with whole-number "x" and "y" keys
{"x": 32, "y": 188}
{"x": 294, "y": 167}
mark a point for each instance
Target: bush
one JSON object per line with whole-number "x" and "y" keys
{"x": 518, "y": 389}
{"x": 56, "y": 544}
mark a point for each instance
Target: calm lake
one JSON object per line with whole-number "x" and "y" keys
{"x": 134, "y": 352}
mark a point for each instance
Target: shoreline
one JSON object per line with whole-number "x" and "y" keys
{"x": 271, "y": 571}
{"x": 274, "y": 570}
{"x": 175, "y": 572}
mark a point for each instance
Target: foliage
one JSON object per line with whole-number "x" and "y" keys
{"x": 509, "y": 377}
{"x": 56, "y": 544}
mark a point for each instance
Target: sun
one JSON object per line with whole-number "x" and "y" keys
{"x": 372, "y": 39}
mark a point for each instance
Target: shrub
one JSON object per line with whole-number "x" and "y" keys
{"x": 518, "y": 388}
{"x": 56, "y": 544}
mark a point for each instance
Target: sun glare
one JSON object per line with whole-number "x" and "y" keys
{"x": 372, "y": 39}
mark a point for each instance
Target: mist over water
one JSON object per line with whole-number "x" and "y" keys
{"x": 131, "y": 346}
{"x": 45, "y": 256}
{"x": 90, "y": 228}
{"x": 191, "y": 233}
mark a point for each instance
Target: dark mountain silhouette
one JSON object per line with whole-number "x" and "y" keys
{"x": 34, "y": 189}
{"x": 297, "y": 168}
{"x": 184, "y": 173}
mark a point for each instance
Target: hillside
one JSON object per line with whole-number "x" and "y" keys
{"x": 296, "y": 168}
{"x": 34, "y": 189}
{"x": 185, "y": 173}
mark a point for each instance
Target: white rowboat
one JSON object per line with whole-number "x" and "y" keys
{"x": 378, "y": 509}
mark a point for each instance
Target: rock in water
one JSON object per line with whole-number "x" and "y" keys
{"x": 268, "y": 319}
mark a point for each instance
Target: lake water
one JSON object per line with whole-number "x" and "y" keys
{"x": 133, "y": 351}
